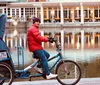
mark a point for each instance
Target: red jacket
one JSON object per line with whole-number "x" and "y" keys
{"x": 34, "y": 39}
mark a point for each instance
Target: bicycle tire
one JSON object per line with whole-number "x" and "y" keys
{"x": 66, "y": 71}
{"x": 7, "y": 73}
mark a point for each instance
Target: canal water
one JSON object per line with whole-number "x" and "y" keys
{"x": 88, "y": 59}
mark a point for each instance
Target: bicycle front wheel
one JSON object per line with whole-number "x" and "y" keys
{"x": 69, "y": 72}
{"x": 6, "y": 74}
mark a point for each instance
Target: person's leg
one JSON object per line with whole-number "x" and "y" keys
{"x": 50, "y": 75}
{"x": 46, "y": 54}
{"x": 44, "y": 61}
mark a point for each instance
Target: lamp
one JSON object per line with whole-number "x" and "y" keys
{"x": 77, "y": 8}
{"x": 72, "y": 11}
{"x": 15, "y": 23}
{"x": 52, "y": 12}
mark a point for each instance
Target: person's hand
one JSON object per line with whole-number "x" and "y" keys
{"x": 50, "y": 39}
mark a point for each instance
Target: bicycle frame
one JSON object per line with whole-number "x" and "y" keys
{"x": 25, "y": 70}
{"x": 55, "y": 63}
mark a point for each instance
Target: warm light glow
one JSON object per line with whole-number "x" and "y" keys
{"x": 53, "y": 44}
{"x": 52, "y": 12}
{"x": 15, "y": 23}
{"x": 91, "y": 11}
{"x": 92, "y": 41}
{"x": 72, "y": 11}
{"x": 88, "y": 8}
{"x": 77, "y": 8}
{"x": 15, "y": 33}
{"x": 78, "y": 45}
{"x": 8, "y": 38}
{"x": 72, "y": 41}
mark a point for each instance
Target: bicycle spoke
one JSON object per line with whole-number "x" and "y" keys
{"x": 68, "y": 73}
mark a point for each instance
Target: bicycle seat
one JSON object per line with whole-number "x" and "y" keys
{"x": 35, "y": 56}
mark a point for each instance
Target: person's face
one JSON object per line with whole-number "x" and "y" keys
{"x": 37, "y": 24}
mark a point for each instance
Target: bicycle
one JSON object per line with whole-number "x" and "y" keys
{"x": 68, "y": 71}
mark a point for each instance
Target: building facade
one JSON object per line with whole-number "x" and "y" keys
{"x": 75, "y": 24}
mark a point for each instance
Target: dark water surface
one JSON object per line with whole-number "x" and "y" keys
{"x": 89, "y": 60}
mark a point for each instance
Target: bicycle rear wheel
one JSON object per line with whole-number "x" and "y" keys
{"x": 69, "y": 72}
{"x": 6, "y": 73}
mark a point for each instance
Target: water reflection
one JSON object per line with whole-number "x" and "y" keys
{"x": 89, "y": 60}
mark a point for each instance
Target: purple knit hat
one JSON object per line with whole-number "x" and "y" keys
{"x": 35, "y": 20}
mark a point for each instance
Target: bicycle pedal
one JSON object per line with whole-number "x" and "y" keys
{"x": 44, "y": 76}
{"x": 30, "y": 78}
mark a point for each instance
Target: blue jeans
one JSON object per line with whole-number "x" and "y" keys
{"x": 44, "y": 55}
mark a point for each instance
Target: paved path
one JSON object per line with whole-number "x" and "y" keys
{"x": 83, "y": 81}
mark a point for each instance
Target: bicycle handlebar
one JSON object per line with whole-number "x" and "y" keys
{"x": 58, "y": 46}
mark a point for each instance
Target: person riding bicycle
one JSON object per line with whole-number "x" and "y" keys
{"x": 34, "y": 40}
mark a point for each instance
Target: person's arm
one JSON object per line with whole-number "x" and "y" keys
{"x": 38, "y": 36}
{"x": 2, "y": 24}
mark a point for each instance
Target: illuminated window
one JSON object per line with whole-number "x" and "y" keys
{"x": 96, "y": 12}
{"x": 37, "y": 0}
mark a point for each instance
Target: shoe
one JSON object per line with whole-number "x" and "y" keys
{"x": 39, "y": 70}
{"x": 51, "y": 76}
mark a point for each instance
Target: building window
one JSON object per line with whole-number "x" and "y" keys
{"x": 77, "y": 13}
{"x": 8, "y": 11}
{"x": 29, "y": 12}
{"x": 38, "y": 12}
{"x": 49, "y": 12}
{"x": 5, "y": 10}
{"x": 22, "y": 12}
{"x": 99, "y": 12}
{"x": 15, "y": 12}
{"x": 66, "y": 13}
{"x": 33, "y": 0}
{"x": 45, "y": 13}
{"x": 96, "y": 13}
{"x": 36, "y": 0}
{"x": 85, "y": 13}
{"x": 2, "y": 5}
